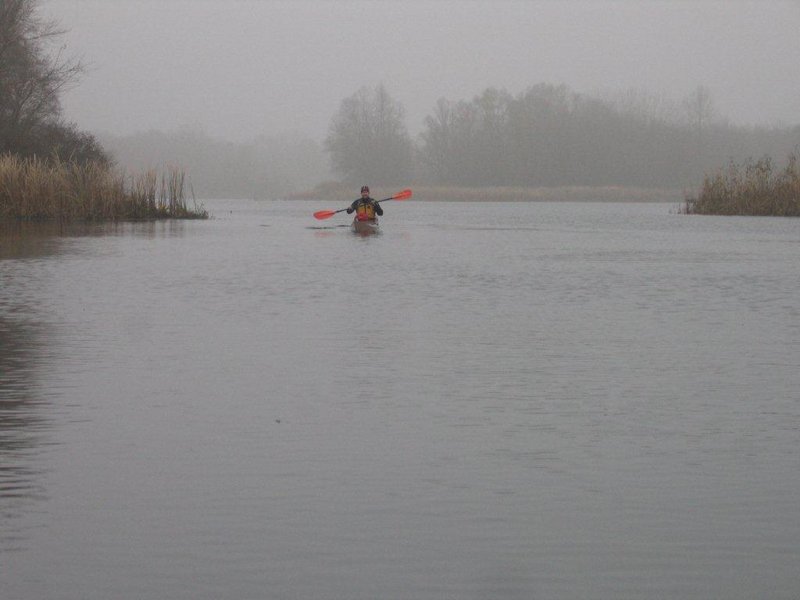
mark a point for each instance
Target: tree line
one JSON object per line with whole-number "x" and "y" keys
{"x": 34, "y": 73}
{"x": 49, "y": 169}
{"x": 31, "y": 81}
{"x": 547, "y": 135}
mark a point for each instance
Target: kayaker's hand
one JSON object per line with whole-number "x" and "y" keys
{"x": 349, "y": 210}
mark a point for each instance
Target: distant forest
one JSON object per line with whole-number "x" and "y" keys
{"x": 551, "y": 136}
{"x": 547, "y": 136}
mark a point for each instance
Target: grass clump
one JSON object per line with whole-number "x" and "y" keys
{"x": 753, "y": 189}
{"x": 42, "y": 190}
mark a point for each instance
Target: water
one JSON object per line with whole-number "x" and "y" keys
{"x": 484, "y": 401}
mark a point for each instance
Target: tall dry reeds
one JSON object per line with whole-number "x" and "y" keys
{"x": 35, "y": 189}
{"x": 754, "y": 189}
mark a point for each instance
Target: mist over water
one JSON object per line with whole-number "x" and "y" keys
{"x": 247, "y": 68}
{"x": 244, "y": 96}
{"x": 484, "y": 400}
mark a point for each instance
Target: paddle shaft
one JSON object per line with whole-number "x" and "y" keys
{"x": 326, "y": 214}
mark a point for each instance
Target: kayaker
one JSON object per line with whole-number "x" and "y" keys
{"x": 365, "y": 207}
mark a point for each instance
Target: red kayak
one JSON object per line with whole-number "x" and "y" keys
{"x": 365, "y": 225}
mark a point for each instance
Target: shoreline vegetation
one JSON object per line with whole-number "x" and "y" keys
{"x": 750, "y": 189}
{"x": 332, "y": 189}
{"x": 36, "y": 182}
{"x": 33, "y": 189}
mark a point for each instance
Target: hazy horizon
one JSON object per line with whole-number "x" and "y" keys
{"x": 244, "y": 68}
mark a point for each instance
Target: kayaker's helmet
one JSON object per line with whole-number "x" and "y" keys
{"x": 365, "y": 188}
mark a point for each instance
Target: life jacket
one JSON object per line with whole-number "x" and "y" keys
{"x": 365, "y": 211}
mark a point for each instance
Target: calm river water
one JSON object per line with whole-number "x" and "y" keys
{"x": 485, "y": 401}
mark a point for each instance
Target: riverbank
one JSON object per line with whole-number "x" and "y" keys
{"x": 333, "y": 190}
{"x": 35, "y": 189}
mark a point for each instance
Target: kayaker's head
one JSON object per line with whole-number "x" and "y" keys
{"x": 365, "y": 191}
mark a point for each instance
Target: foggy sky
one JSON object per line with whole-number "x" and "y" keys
{"x": 239, "y": 68}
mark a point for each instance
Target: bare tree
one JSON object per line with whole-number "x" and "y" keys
{"x": 438, "y": 140}
{"x": 33, "y": 73}
{"x": 368, "y": 139}
{"x": 699, "y": 110}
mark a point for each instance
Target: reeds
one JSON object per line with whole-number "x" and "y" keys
{"x": 35, "y": 189}
{"x": 565, "y": 193}
{"x": 753, "y": 189}
{"x": 330, "y": 190}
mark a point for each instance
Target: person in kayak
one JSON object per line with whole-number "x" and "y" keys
{"x": 365, "y": 207}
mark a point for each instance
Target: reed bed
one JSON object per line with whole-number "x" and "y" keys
{"x": 575, "y": 193}
{"x": 330, "y": 190}
{"x": 35, "y": 189}
{"x": 753, "y": 189}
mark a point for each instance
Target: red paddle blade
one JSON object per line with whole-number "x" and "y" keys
{"x": 404, "y": 195}
{"x": 324, "y": 214}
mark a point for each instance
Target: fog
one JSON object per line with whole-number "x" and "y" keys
{"x": 238, "y": 69}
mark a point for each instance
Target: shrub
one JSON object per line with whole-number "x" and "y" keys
{"x": 754, "y": 188}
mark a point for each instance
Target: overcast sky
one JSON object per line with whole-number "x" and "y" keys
{"x": 239, "y": 68}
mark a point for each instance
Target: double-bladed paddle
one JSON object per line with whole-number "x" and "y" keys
{"x": 327, "y": 214}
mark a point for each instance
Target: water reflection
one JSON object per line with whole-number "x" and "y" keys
{"x": 24, "y": 421}
{"x": 26, "y": 413}
{"x": 19, "y": 239}
{"x": 26, "y": 239}
{"x": 600, "y": 408}
{"x": 23, "y": 428}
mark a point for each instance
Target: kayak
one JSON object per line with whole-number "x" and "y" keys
{"x": 365, "y": 226}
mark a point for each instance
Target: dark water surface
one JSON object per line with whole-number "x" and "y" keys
{"x": 488, "y": 401}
